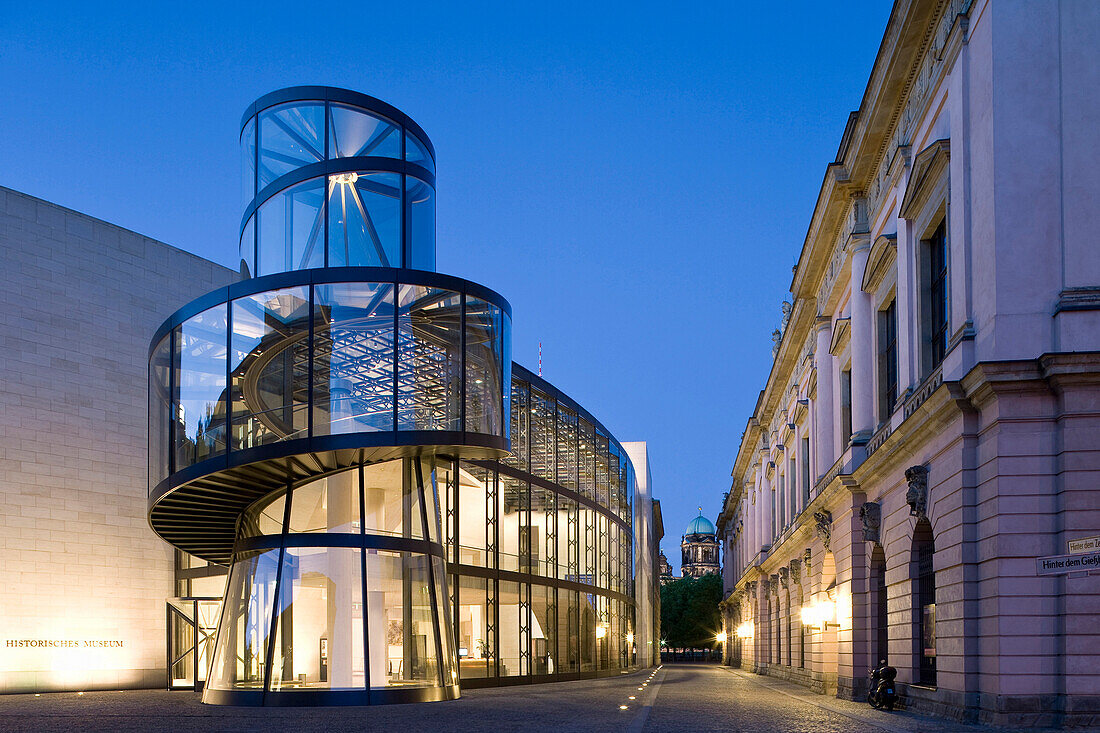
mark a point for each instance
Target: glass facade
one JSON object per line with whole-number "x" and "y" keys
{"x": 331, "y": 184}
{"x": 540, "y": 548}
{"x": 318, "y": 360}
{"x": 343, "y": 430}
{"x": 340, "y": 588}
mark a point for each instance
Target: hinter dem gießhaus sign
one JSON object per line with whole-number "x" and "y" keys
{"x": 1058, "y": 564}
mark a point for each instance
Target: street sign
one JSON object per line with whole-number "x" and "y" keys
{"x": 1083, "y": 544}
{"x": 1060, "y": 564}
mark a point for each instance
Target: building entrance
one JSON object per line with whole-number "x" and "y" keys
{"x": 191, "y": 626}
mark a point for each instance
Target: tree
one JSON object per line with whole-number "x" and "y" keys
{"x": 689, "y": 612}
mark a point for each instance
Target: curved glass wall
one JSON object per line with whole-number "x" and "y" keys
{"x": 370, "y": 201}
{"x": 540, "y": 548}
{"x": 326, "y": 359}
{"x": 339, "y": 584}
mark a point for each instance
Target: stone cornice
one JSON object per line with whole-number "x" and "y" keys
{"x": 882, "y": 257}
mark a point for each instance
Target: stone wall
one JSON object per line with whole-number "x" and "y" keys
{"x": 84, "y": 579}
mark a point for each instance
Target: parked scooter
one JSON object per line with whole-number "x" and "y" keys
{"x": 880, "y": 692}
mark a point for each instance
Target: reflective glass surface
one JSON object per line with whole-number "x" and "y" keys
{"x": 364, "y": 219}
{"x": 420, "y": 224}
{"x": 291, "y": 135}
{"x": 319, "y": 625}
{"x": 160, "y": 409}
{"x": 328, "y": 504}
{"x": 248, "y": 161}
{"x": 354, "y": 132}
{"x": 429, "y": 370}
{"x": 292, "y": 234}
{"x": 241, "y": 649}
{"x": 417, "y": 152}
{"x": 402, "y": 634}
{"x": 269, "y": 367}
{"x": 199, "y": 400}
{"x": 353, "y": 358}
{"x": 483, "y": 366}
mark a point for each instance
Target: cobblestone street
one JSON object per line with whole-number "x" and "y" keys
{"x": 680, "y": 697}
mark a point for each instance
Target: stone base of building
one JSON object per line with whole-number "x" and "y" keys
{"x": 1017, "y": 711}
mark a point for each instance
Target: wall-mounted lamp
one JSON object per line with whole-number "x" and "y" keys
{"x": 721, "y": 637}
{"x": 601, "y": 631}
{"x": 820, "y": 614}
{"x": 744, "y": 631}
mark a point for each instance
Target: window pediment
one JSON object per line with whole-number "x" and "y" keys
{"x": 928, "y": 168}
{"x": 882, "y": 257}
{"x": 841, "y": 328}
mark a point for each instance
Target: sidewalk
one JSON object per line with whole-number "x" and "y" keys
{"x": 900, "y": 721}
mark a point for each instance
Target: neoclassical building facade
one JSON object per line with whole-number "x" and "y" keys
{"x": 699, "y": 549}
{"x": 931, "y": 423}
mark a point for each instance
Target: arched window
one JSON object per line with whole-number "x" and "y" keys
{"x": 924, "y": 602}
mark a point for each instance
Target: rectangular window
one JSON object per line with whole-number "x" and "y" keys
{"x": 887, "y": 360}
{"x": 935, "y": 296}
{"x": 791, "y": 489}
{"x": 845, "y": 408}
{"x": 782, "y": 505}
{"x": 805, "y": 471}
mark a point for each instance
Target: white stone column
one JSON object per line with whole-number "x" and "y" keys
{"x": 823, "y": 406}
{"x": 863, "y": 325}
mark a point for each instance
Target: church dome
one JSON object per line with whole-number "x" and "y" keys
{"x": 700, "y": 525}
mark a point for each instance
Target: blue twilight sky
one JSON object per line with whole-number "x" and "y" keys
{"x": 636, "y": 178}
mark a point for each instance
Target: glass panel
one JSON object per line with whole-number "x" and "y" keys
{"x": 417, "y": 152}
{"x": 571, "y": 612}
{"x": 506, "y": 376}
{"x": 567, "y": 448}
{"x": 543, "y": 527}
{"x": 509, "y": 614}
{"x": 269, "y": 367}
{"x": 512, "y": 518}
{"x": 420, "y": 220}
{"x": 474, "y": 655}
{"x": 401, "y": 632}
{"x": 542, "y": 435}
{"x": 264, "y": 516}
{"x": 200, "y": 387}
{"x": 319, "y": 630}
{"x": 483, "y": 367}
{"x": 446, "y": 639}
{"x": 207, "y": 625}
{"x": 160, "y": 410}
{"x": 429, "y": 367}
{"x": 248, "y": 162}
{"x": 364, "y": 220}
{"x": 292, "y": 229}
{"x": 613, "y": 475}
{"x": 519, "y": 425}
{"x": 354, "y": 132}
{"x": 291, "y": 136}
{"x": 472, "y": 515}
{"x": 212, "y": 586}
{"x": 328, "y": 505}
{"x": 353, "y": 358}
{"x": 247, "y": 247}
{"x": 588, "y": 619}
{"x": 430, "y": 478}
{"x": 601, "y": 470}
{"x": 391, "y": 503}
{"x": 544, "y": 630}
{"x": 241, "y": 651}
{"x": 586, "y": 458}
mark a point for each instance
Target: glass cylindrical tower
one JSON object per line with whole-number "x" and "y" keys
{"x": 302, "y": 420}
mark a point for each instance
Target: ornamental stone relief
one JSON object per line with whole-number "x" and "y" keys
{"x": 870, "y": 514}
{"x": 917, "y": 494}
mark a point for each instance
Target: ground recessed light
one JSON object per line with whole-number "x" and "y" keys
{"x": 631, "y": 697}
{"x": 622, "y": 707}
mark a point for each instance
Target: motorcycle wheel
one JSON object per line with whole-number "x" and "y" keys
{"x": 874, "y": 700}
{"x": 889, "y": 706}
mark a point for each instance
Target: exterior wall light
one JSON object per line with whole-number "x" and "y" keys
{"x": 745, "y": 630}
{"x": 721, "y": 637}
{"x": 630, "y": 638}
{"x": 820, "y": 614}
{"x": 601, "y": 631}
